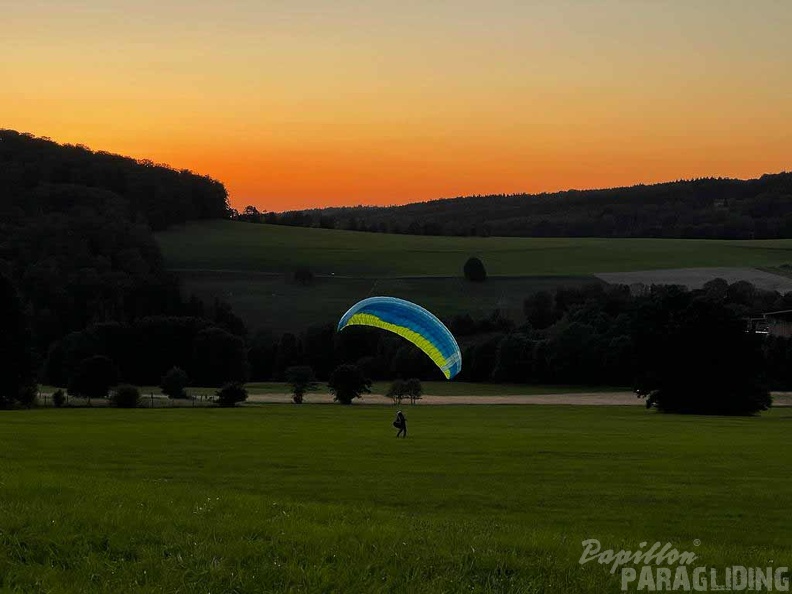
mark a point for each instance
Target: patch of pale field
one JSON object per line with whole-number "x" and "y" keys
{"x": 695, "y": 278}
{"x": 573, "y": 399}
{"x": 622, "y": 398}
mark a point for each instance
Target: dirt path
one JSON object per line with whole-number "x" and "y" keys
{"x": 574, "y": 399}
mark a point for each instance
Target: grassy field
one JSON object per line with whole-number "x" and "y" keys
{"x": 249, "y": 266}
{"x": 226, "y": 245}
{"x": 272, "y": 302}
{"x": 324, "y": 499}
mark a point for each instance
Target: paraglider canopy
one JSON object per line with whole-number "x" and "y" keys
{"x": 410, "y": 321}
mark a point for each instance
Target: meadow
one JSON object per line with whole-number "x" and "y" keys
{"x": 324, "y": 499}
{"x": 228, "y": 245}
{"x": 250, "y": 267}
{"x": 276, "y": 303}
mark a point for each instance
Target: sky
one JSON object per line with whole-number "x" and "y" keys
{"x": 301, "y": 103}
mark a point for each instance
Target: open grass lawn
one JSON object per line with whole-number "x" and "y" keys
{"x": 324, "y": 499}
{"x": 228, "y": 245}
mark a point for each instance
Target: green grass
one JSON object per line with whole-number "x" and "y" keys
{"x": 324, "y": 499}
{"x": 249, "y": 266}
{"x": 274, "y": 303}
{"x": 226, "y": 245}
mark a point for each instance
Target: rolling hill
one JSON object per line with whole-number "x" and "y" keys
{"x": 250, "y": 266}
{"x": 706, "y": 208}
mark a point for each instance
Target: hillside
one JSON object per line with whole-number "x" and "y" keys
{"x": 702, "y": 208}
{"x": 76, "y": 236}
{"x": 33, "y": 169}
{"x": 234, "y": 246}
{"x": 250, "y": 266}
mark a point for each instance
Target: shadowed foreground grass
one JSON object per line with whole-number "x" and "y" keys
{"x": 324, "y": 499}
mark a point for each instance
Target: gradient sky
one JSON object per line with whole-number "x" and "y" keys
{"x": 305, "y": 103}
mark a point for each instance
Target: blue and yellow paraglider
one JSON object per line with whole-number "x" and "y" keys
{"x": 412, "y": 322}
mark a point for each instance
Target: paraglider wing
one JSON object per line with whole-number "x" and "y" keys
{"x": 412, "y": 322}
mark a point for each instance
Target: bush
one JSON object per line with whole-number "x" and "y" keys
{"x": 58, "y": 398}
{"x": 93, "y": 378}
{"x": 230, "y": 394}
{"x": 125, "y": 396}
{"x": 474, "y": 270}
{"x": 303, "y": 276}
{"x": 174, "y": 382}
{"x": 347, "y": 382}
{"x": 301, "y": 379}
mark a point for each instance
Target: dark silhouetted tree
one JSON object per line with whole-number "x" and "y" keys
{"x": 231, "y": 394}
{"x": 125, "y": 396}
{"x": 695, "y": 356}
{"x": 93, "y": 378}
{"x": 347, "y": 382}
{"x": 474, "y": 270}
{"x": 301, "y": 379}
{"x": 16, "y": 362}
{"x": 396, "y": 391}
{"x": 218, "y": 357}
{"x": 174, "y": 382}
{"x": 413, "y": 389}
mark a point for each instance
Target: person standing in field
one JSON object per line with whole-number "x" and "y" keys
{"x": 400, "y": 423}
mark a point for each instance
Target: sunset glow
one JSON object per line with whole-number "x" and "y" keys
{"x": 301, "y": 104}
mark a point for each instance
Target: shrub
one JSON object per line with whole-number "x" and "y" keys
{"x": 230, "y": 394}
{"x": 301, "y": 379}
{"x": 303, "y": 276}
{"x": 125, "y": 396}
{"x": 347, "y": 382}
{"x": 58, "y": 398}
{"x": 174, "y": 382}
{"x": 474, "y": 270}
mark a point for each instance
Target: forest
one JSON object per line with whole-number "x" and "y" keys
{"x": 709, "y": 208}
{"x": 77, "y": 245}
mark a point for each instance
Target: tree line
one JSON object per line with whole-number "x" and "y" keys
{"x": 597, "y": 335}
{"x": 706, "y": 208}
{"x": 38, "y": 175}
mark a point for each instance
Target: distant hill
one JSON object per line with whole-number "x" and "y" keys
{"x": 38, "y": 175}
{"x": 76, "y": 236}
{"x": 702, "y": 209}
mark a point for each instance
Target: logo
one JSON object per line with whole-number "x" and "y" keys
{"x": 663, "y": 568}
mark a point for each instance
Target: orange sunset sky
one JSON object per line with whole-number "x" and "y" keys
{"x": 297, "y": 104}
